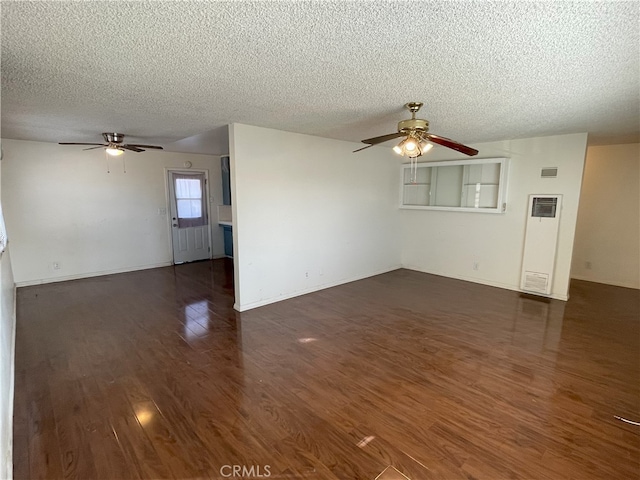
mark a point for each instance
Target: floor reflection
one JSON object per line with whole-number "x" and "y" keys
{"x": 196, "y": 317}
{"x": 537, "y": 324}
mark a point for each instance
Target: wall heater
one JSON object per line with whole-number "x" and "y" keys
{"x": 540, "y": 243}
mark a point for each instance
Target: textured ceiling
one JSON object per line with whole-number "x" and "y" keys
{"x": 165, "y": 71}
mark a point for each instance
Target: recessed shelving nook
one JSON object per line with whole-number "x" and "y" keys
{"x": 477, "y": 185}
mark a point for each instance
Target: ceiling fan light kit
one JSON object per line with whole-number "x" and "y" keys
{"x": 114, "y": 151}
{"x": 412, "y": 147}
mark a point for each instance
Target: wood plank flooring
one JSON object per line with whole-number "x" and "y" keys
{"x": 152, "y": 374}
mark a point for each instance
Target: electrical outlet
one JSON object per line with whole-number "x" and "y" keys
{"x": 476, "y": 265}
{"x": 56, "y": 265}
{"x": 162, "y": 211}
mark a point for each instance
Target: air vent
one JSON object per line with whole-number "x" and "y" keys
{"x": 536, "y": 282}
{"x": 551, "y": 172}
{"x": 544, "y": 207}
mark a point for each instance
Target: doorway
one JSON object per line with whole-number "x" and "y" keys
{"x": 188, "y": 204}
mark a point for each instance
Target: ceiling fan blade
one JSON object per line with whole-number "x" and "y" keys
{"x": 131, "y": 147}
{"x": 144, "y": 146}
{"x": 447, "y": 142}
{"x": 92, "y": 148}
{"x": 363, "y": 148}
{"x": 76, "y": 143}
{"x": 383, "y": 138}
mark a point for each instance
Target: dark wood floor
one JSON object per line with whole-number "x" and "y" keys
{"x": 153, "y": 375}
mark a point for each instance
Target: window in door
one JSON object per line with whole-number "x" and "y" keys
{"x": 189, "y": 200}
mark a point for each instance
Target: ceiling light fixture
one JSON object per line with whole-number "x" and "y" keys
{"x": 413, "y": 146}
{"x": 410, "y": 146}
{"x": 425, "y": 146}
{"x": 114, "y": 151}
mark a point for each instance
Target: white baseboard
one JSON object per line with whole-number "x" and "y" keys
{"x": 78, "y": 276}
{"x": 505, "y": 286}
{"x": 298, "y": 293}
{"x": 604, "y": 282}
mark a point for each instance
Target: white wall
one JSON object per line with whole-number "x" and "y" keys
{"x": 7, "y": 336}
{"x": 448, "y": 243}
{"x": 61, "y": 205}
{"x": 607, "y": 246}
{"x": 308, "y": 213}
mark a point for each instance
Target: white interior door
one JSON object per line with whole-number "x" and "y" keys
{"x": 189, "y": 216}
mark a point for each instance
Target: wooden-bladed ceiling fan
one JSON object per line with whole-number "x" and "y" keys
{"x": 115, "y": 145}
{"x": 417, "y": 139}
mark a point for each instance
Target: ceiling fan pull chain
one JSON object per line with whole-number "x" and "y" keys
{"x": 106, "y": 157}
{"x": 414, "y": 170}
{"x": 413, "y": 173}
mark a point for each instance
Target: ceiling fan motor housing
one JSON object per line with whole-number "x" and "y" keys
{"x": 412, "y": 125}
{"x": 113, "y": 137}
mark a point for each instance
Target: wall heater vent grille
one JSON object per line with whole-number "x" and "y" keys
{"x": 550, "y": 172}
{"x": 536, "y": 282}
